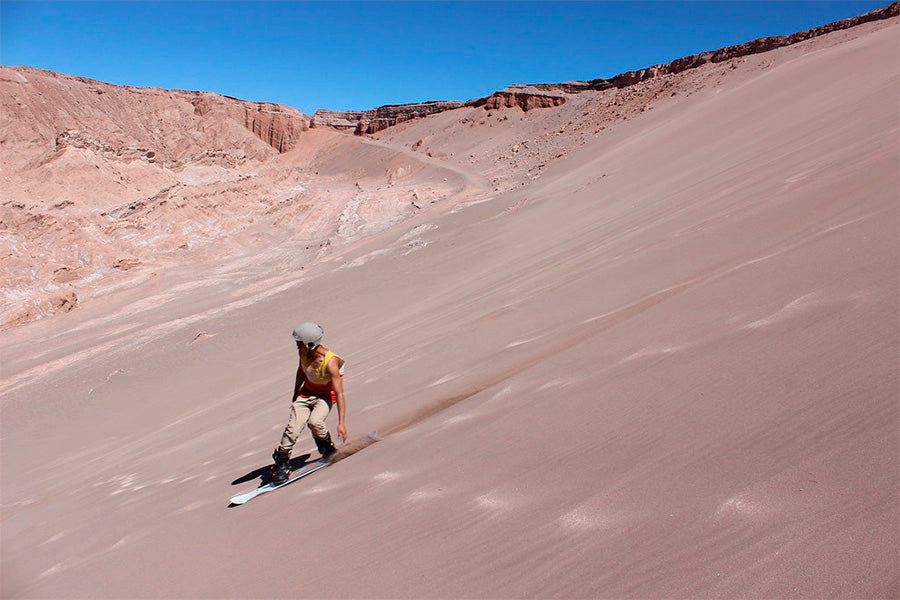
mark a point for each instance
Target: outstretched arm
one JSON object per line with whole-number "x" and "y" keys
{"x": 338, "y": 385}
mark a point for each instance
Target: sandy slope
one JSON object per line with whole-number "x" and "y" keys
{"x": 666, "y": 367}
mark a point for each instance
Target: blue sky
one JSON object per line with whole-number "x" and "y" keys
{"x": 359, "y": 55}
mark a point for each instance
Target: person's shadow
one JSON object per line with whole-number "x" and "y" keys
{"x": 265, "y": 473}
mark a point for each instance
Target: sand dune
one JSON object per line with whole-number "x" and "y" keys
{"x": 643, "y": 344}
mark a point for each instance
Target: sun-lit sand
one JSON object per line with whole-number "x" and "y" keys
{"x": 643, "y": 344}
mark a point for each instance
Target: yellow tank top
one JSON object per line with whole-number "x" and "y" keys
{"x": 318, "y": 379}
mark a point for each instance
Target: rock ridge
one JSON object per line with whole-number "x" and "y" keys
{"x": 549, "y": 95}
{"x": 693, "y": 61}
{"x": 377, "y": 119}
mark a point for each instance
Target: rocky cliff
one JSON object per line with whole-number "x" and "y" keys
{"x": 520, "y": 96}
{"x": 277, "y": 125}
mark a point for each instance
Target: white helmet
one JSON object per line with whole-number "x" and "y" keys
{"x": 308, "y": 334}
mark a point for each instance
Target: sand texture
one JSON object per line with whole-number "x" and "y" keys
{"x": 642, "y": 344}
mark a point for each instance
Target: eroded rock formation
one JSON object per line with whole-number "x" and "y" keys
{"x": 372, "y": 121}
{"x": 45, "y": 112}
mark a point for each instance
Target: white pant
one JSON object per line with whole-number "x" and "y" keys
{"x": 305, "y": 410}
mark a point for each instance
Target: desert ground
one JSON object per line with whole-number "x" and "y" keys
{"x": 643, "y": 344}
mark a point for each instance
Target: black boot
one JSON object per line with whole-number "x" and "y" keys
{"x": 282, "y": 469}
{"x": 326, "y": 447}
